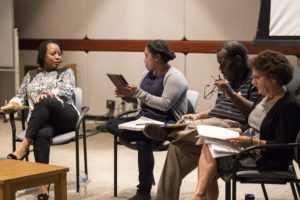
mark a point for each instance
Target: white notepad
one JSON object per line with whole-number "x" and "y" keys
{"x": 215, "y": 137}
{"x": 139, "y": 124}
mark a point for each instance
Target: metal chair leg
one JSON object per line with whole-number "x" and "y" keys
{"x": 233, "y": 189}
{"x": 13, "y": 128}
{"x": 84, "y": 147}
{"x": 294, "y": 191}
{"x": 264, "y": 191}
{"x": 115, "y": 166}
{"x": 227, "y": 190}
{"x": 298, "y": 188}
{"x": 77, "y": 160}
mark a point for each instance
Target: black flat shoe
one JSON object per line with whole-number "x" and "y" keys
{"x": 14, "y": 157}
{"x": 11, "y": 156}
{"x": 43, "y": 197}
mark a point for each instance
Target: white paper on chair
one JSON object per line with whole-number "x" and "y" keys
{"x": 215, "y": 138}
{"x": 139, "y": 124}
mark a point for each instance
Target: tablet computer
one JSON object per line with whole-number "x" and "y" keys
{"x": 119, "y": 81}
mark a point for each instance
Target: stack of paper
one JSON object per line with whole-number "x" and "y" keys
{"x": 11, "y": 108}
{"x": 139, "y": 124}
{"x": 214, "y": 136}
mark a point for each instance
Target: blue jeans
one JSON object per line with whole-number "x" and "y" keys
{"x": 145, "y": 152}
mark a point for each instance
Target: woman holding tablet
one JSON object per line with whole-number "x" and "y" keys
{"x": 162, "y": 96}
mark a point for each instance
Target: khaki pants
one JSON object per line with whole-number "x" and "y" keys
{"x": 183, "y": 156}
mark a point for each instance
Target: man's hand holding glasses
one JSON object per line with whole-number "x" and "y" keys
{"x": 224, "y": 86}
{"x": 208, "y": 95}
{"x": 219, "y": 85}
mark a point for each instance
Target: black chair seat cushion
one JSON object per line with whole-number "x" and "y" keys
{"x": 254, "y": 176}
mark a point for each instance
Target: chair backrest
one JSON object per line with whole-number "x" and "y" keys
{"x": 297, "y": 149}
{"x": 295, "y": 82}
{"x": 78, "y": 98}
{"x": 69, "y": 136}
{"x": 193, "y": 97}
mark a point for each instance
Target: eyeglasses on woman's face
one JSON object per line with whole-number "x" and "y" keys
{"x": 255, "y": 77}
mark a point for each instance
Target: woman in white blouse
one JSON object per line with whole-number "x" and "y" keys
{"x": 48, "y": 91}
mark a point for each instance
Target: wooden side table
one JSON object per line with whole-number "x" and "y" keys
{"x": 17, "y": 175}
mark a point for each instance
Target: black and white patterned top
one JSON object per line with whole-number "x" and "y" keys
{"x": 59, "y": 82}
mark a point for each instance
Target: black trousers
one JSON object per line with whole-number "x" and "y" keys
{"x": 48, "y": 119}
{"x": 145, "y": 152}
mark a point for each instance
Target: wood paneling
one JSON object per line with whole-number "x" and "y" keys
{"x": 183, "y": 46}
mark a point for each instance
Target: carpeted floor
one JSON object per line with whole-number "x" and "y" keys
{"x": 100, "y": 166}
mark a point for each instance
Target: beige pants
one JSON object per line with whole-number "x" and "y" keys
{"x": 183, "y": 156}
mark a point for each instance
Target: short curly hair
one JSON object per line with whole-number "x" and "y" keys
{"x": 161, "y": 47}
{"x": 234, "y": 48}
{"x": 273, "y": 64}
{"x": 42, "y": 50}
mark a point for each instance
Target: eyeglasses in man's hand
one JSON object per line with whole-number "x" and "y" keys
{"x": 214, "y": 89}
{"x": 208, "y": 95}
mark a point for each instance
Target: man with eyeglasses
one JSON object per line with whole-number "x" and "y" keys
{"x": 229, "y": 112}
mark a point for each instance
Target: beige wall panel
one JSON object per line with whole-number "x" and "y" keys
{"x": 51, "y": 19}
{"x": 221, "y": 20}
{"x": 135, "y": 19}
{"x": 27, "y": 57}
{"x": 7, "y": 86}
{"x": 199, "y": 69}
{"x": 80, "y": 59}
{"x": 179, "y": 62}
{"x": 100, "y": 88}
{"x": 6, "y": 33}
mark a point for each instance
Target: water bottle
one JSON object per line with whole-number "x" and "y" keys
{"x": 249, "y": 197}
{"x": 83, "y": 181}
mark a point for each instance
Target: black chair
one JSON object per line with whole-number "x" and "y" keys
{"x": 63, "y": 138}
{"x": 192, "y": 96}
{"x": 265, "y": 177}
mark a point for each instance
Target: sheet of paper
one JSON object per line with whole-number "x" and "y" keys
{"x": 214, "y": 136}
{"x": 217, "y": 154}
{"x": 216, "y": 132}
{"x": 139, "y": 124}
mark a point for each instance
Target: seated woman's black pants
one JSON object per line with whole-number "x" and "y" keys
{"x": 49, "y": 118}
{"x": 145, "y": 152}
